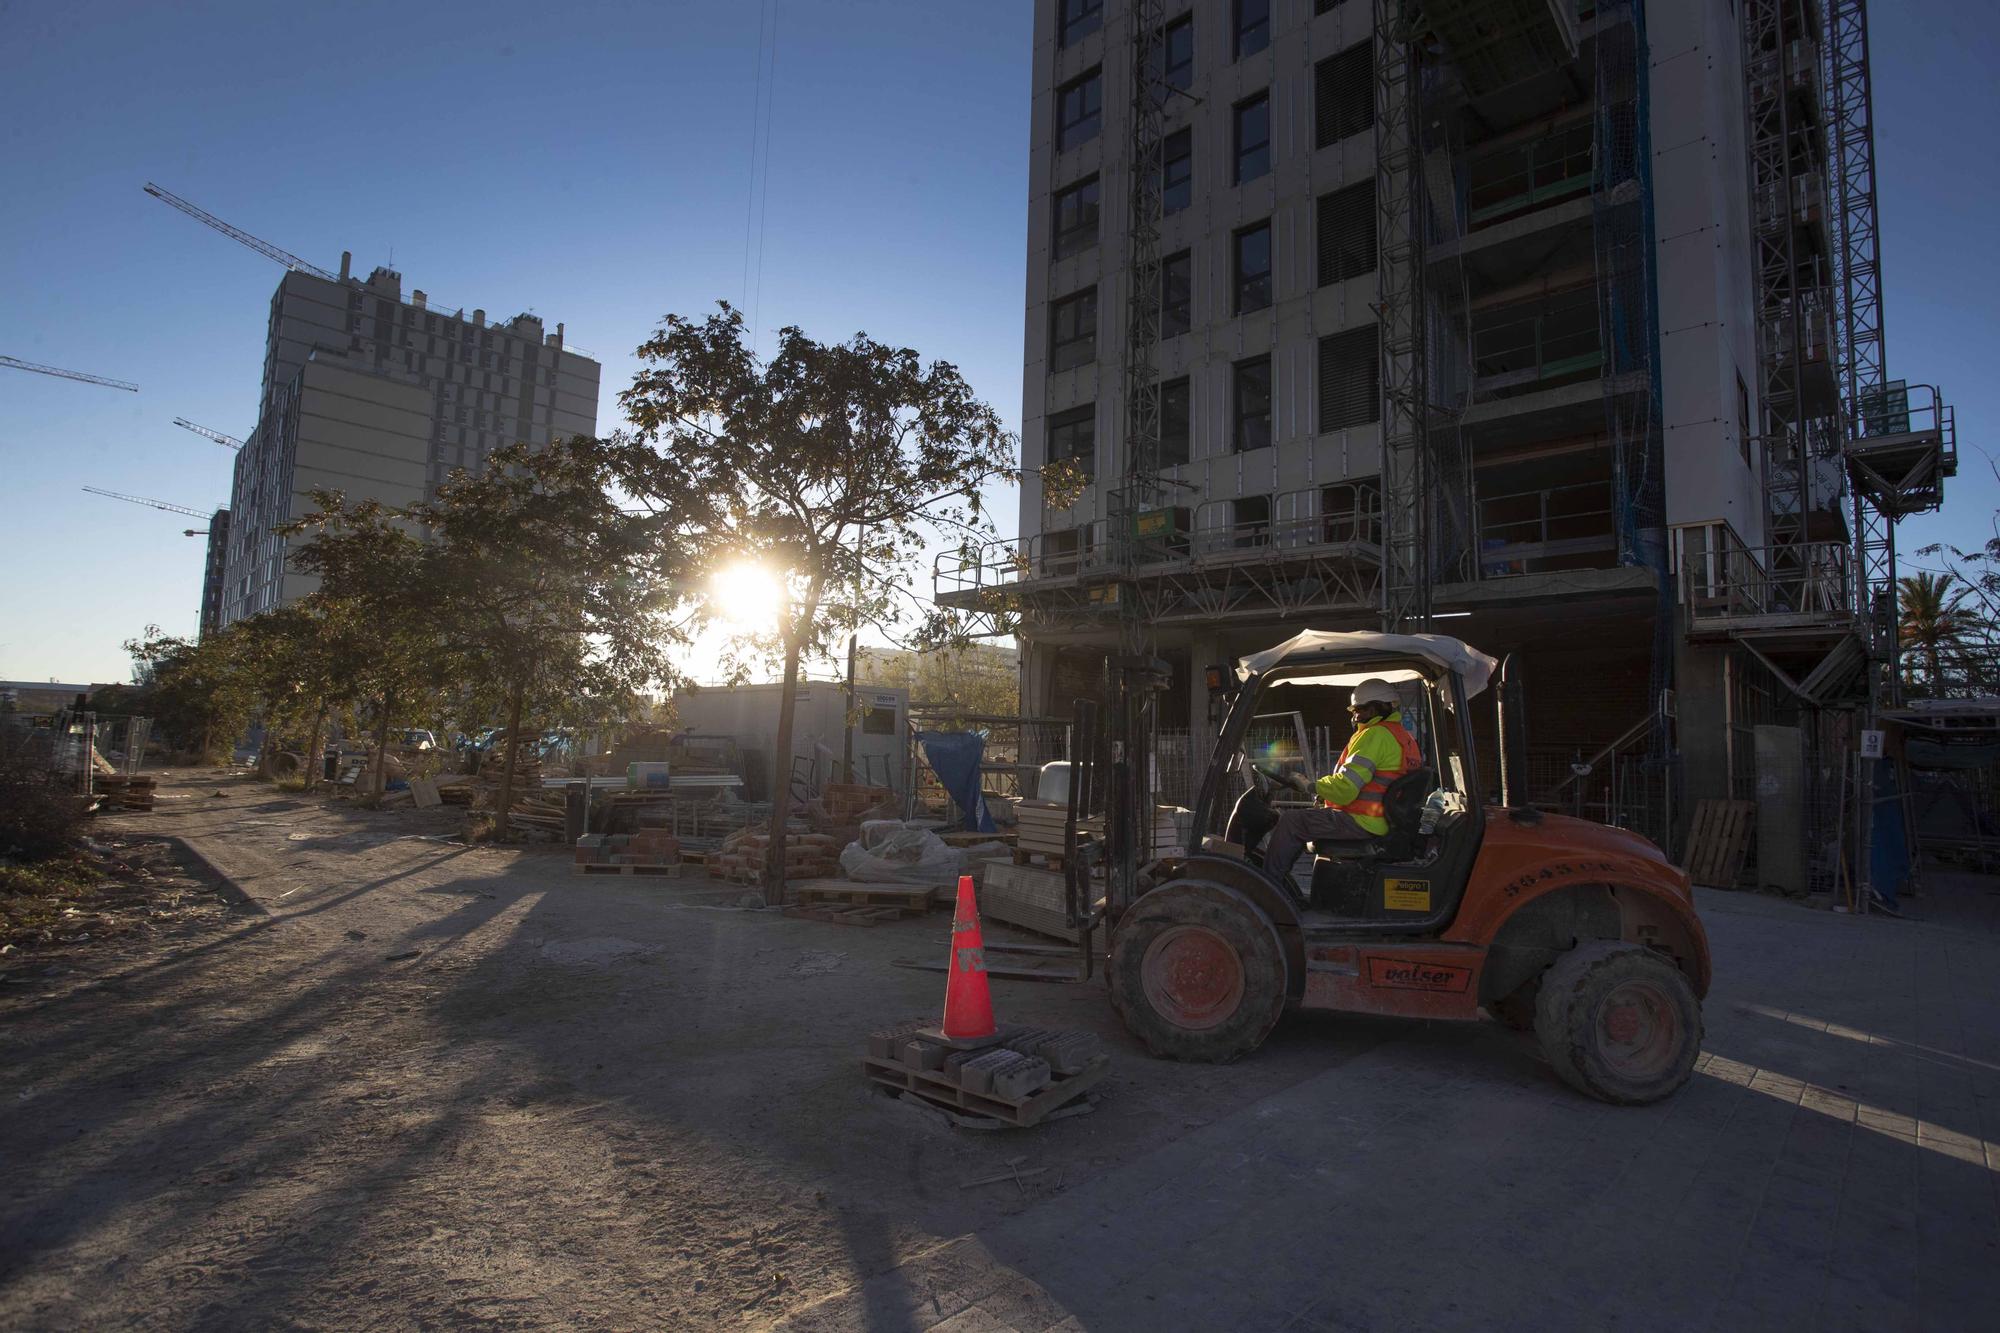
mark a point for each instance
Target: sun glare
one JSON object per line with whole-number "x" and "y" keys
{"x": 745, "y": 597}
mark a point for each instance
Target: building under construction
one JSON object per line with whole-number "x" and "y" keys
{"x": 1549, "y": 324}
{"x": 381, "y": 397}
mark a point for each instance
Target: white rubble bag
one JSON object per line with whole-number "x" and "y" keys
{"x": 891, "y": 852}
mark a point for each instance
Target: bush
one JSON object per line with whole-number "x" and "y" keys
{"x": 38, "y": 817}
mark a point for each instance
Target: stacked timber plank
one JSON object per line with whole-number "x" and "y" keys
{"x": 1041, "y": 831}
{"x": 119, "y": 791}
{"x": 1041, "y": 827}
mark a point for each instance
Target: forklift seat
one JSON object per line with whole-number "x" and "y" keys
{"x": 1403, "y": 807}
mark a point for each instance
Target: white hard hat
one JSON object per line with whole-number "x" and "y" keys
{"x": 1375, "y": 690}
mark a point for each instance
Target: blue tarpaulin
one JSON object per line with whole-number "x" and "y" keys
{"x": 955, "y": 757}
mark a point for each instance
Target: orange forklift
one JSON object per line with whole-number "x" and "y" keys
{"x": 1584, "y": 933}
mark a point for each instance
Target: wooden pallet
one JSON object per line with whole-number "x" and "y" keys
{"x": 913, "y": 899}
{"x": 942, "y": 1092}
{"x": 1039, "y": 859}
{"x": 1719, "y": 841}
{"x": 840, "y": 915}
{"x": 587, "y": 868}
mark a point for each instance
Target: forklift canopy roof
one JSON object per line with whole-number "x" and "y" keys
{"x": 1319, "y": 647}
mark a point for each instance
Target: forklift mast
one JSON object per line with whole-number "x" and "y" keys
{"x": 1112, "y": 758}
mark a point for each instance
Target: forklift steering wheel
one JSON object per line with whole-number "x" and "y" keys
{"x": 1298, "y": 782}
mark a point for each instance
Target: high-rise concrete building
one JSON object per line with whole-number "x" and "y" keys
{"x": 382, "y": 398}
{"x": 1550, "y": 324}
{"x": 212, "y": 572}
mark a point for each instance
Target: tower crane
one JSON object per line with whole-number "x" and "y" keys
{"x": 237, "y": 234}
{"x": 18, "y": 364}
{"x": 153, "y": 504}
{"x": 226, "y": 441}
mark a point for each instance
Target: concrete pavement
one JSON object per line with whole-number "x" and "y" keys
{"x": 1833, "y": 1164}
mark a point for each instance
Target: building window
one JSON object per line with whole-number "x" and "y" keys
{"x": 1251, "y": 259}
{"x": 1177, "y": 171}
{"x": 1079, "y": 110}
{"x": 1076, "y": 218}
{"x": 1346, "y": 220}
{"x": 1253, "y": 520}
{"x": 1175, "y": 422}
{"x": 1343, "y": 94}
{"x": 1253, "y": 137}
{"x": 1324, "y": 7}
{"x": 1176, "y": 294}
{"x": 1079, "y": 19}
{"x": 1177, "y": 53}
{"x": 1073, "y": 330}
{"x": 1253, "y": 26}
{"x": 1350, "y": 378}
{"x": 1073, "y": 438}
{"x": 1743, "y": 419}
{"x": 1252, "y": 405}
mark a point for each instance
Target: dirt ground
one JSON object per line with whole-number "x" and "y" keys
{"x": 403, "y": 1082}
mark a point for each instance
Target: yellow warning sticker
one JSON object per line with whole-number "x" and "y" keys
{"x": 1406, "y": 895}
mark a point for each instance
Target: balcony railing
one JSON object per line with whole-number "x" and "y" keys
{"x": 1799, "y": 585}
{"x": 1217, "y": 532}
{"x": 1532, "y": 531}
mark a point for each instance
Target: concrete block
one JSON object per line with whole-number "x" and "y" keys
{"x": 1027, "y": 1074}
{"x": 976, "y": 1074}
{"x": 1066, "y": 1052}
{"x": 925, "y": 1055}
{"x": 888, "y": 1043}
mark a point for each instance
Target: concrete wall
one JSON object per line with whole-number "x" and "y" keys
{"x": 750, "y": 714}
{"x": 1708, "y": 330}
{"x": 1300, "y": 313}
{"x": 465, "y": 386}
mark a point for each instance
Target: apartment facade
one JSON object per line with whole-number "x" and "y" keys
{"x": 381, "y": 397}
{"x": 1468, "y": 328}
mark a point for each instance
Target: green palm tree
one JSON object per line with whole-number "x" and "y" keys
{"x": 1934, "y": 618}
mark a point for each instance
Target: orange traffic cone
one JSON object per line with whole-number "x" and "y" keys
{"x": 968, "y": 1004}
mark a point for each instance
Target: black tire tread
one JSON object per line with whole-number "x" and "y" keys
{"x": 1229, "y": 913}
{"x": 1562, "y": 1024}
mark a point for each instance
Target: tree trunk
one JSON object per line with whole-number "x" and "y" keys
{"x": 781, "y": 763}
{"x": 1932, "y": 654}
{"x": 382, "y": 744}
{"x": 505, "y": 799}
{"x": 312, "y": 746}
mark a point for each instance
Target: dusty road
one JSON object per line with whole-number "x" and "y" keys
{"x": 411, "y": 1084}
{"x": 599, "y": 1103}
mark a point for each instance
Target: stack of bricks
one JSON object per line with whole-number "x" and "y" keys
{"x": 845, "y": 806}
{"x": 647, "y": 847}
{"x": 745, "y": 857}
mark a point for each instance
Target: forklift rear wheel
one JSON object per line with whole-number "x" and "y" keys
{"x": 1618, "y": 1022}
{"x": 1197, "y": 972}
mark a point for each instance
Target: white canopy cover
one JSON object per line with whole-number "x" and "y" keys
{"x": 1441, "y": 650}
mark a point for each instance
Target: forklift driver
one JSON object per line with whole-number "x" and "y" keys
{"x": 1379, "y": 752}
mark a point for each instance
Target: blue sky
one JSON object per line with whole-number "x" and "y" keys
{"x": 592, "y": 162}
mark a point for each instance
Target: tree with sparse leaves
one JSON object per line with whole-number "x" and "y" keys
{"x": 376, "y": 608}
{"x": 838, "y": 466}
{"x": 545, "y": 592}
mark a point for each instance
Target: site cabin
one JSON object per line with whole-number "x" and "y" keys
{"x": 1584, "y": 933}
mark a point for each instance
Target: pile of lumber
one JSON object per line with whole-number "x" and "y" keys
{"x": 116, "y": 791}
{"x": 745, "y": 856}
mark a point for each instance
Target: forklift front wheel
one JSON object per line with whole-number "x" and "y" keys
{"x": 1619, "y": 1022}
{"x": 1197, "y": 972}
